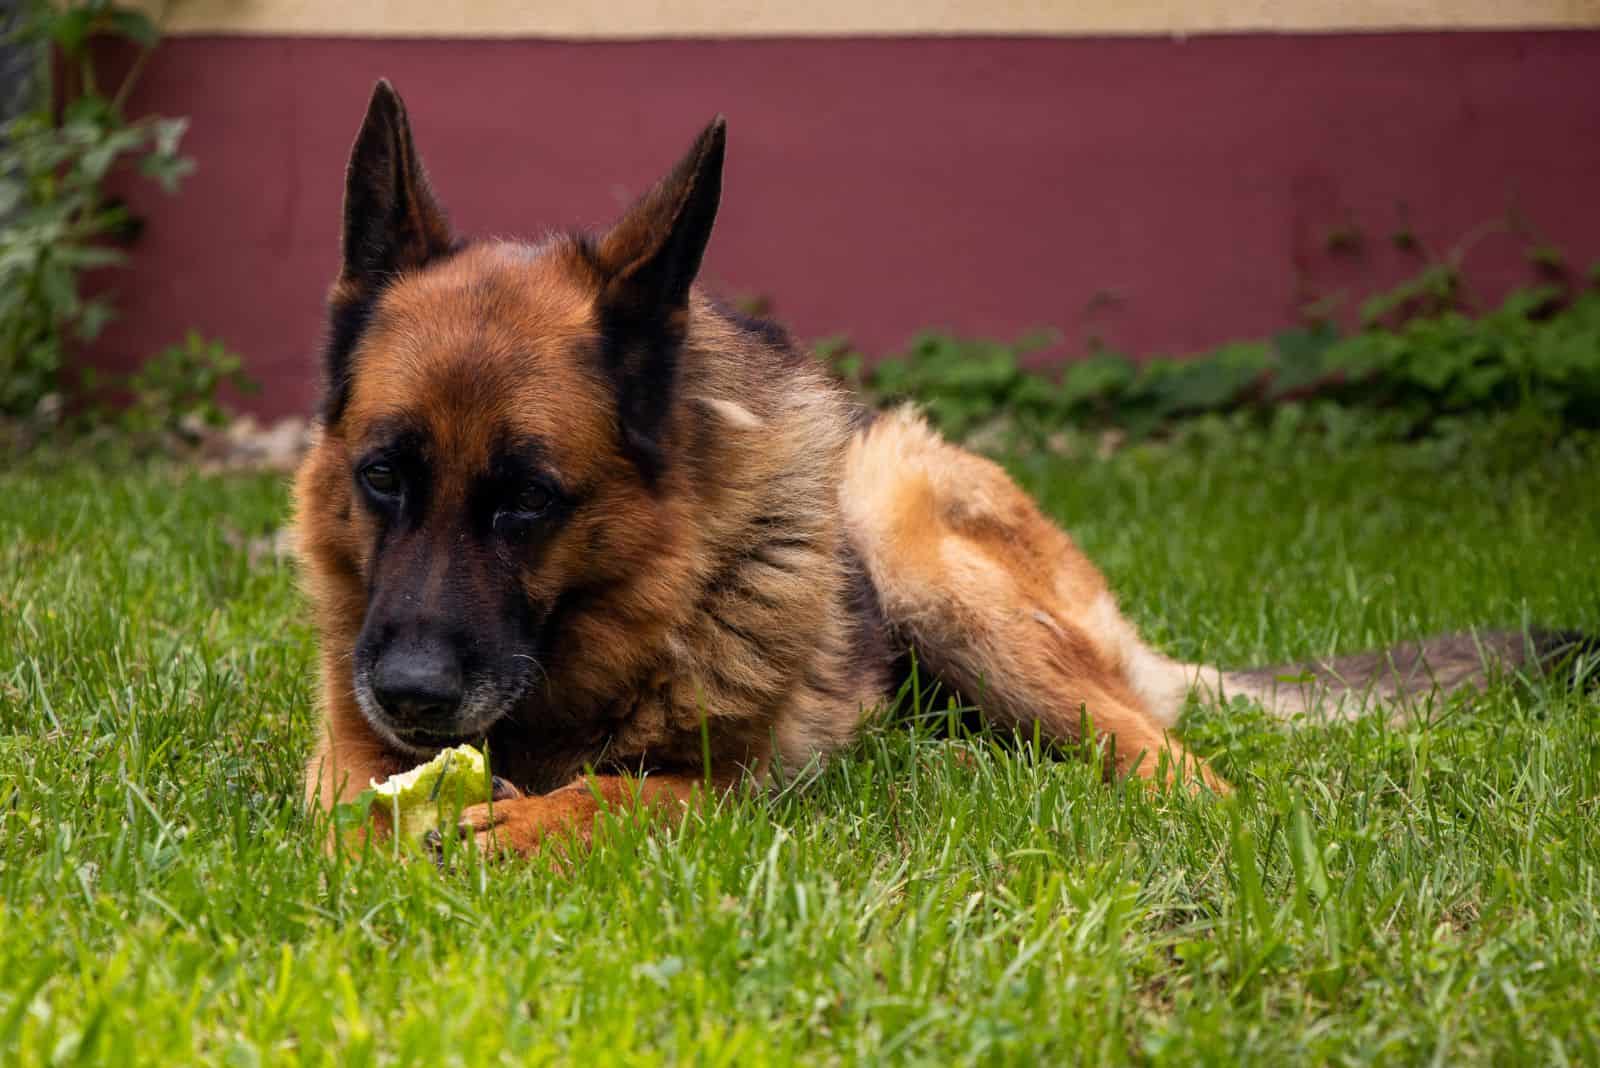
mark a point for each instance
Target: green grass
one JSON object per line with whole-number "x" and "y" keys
{"x": 1372, "y": 894}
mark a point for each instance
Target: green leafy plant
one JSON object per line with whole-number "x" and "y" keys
{"x": 1537, "y": 352}
{"x": 1418, "y": 364}
{"x": 177, "y": 392}
{"x": 57, "y": 219}
{"x": 962, "y": 382}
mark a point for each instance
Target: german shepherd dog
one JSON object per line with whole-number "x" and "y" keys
{"x": 565, "y": 503}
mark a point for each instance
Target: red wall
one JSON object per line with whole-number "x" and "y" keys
{"x": 1163, "y": 195}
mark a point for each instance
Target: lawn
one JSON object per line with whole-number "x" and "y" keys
{"x": 1371, "y": 894}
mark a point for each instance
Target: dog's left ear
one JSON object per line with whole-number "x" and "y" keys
{"x": 648, "y": 262}
{"x": 652, "y": 255}
{"x": 392, "y": 223}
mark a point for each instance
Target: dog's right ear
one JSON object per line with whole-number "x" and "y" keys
{"x": 391, "y": 221}
{"x": 392, "y": 224}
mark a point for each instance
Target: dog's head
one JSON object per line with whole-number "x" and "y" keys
{"x": 494, "y": 420}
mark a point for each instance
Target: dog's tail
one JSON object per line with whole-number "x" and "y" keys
{"x": 1404, "y": 675}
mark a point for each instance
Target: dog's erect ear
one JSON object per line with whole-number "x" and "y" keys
{"x": 391, "y": 224}
{"x": 391, "y": 221}
{"x": 648, "y": 263}
{"x": 652, "y": 255}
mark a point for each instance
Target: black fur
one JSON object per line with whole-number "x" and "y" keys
{"x": 391, "y": 220}
{"x": 874, "y": 651}
{"x": 347, "y": 321}
{"x": 392, "y": 224}
{"x": 650, "y": 260}
{"x": 641, "y": 361}
{"x": 767, "y": 331}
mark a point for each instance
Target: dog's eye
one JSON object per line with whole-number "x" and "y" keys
{"x": 381, "y": 479}
{"x": 533, "y": 500}
{"x": 529, "y": 505}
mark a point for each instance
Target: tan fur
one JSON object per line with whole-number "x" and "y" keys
{"x": 998, "y": 599}
{"x": 745, "y": 552}
{"x": 968, "y": 570}
{"x": 739, "y": 587}
{"x": 684, "y": 649}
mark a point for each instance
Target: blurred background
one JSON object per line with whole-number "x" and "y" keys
{"x": 1287, "y": 311}
{"x": 964, "y": 183}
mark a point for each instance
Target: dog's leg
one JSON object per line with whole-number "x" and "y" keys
{"x": 348, "y": 758}
{"x": 998, "y": 601}
{"x": 521, "y": 825}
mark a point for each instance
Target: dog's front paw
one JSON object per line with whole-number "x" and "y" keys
{"x": 508, "y": 826}
{"x": 520, "y": 825}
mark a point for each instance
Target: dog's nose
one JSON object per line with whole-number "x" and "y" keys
{"x": 417, "y": 681}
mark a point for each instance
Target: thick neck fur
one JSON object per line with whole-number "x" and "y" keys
{"x": 727, "y": 611}
{"x": 720, "y": 628}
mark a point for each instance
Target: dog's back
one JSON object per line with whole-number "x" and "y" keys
{"x": 565, "y": 504}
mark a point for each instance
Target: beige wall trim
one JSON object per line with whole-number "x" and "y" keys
{"x": 634, "y": 19}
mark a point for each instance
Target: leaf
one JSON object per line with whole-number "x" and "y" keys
{"x": 88, "y": 114}
{"x": 1034, "y": 393}
{"x": 1213, "y": 382}
{"x": 87, "y": 257}
{"x": 96, "y": 162}
{"x": 168, "y": 171}
{"x": 1532, "y": 301}
{"x": 1309, "y": 870}
{"x": 70, "y": 29}
{"x": 168, "y": 133}
{"x": 58, "y": 285}
{"x": 1257, "y": 913}
{"x": 1301, "y": 359}
{"x": 94, "y": 317}
{"x": 134, "y": 25}
{"x": 1100, "y": 378}
{"x": 1549, "y": 257}
{"x": 348, "y": 815}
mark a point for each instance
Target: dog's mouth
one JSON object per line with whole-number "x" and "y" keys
{"x": 425, "y": 741}
{"x": 481, "y": 709}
